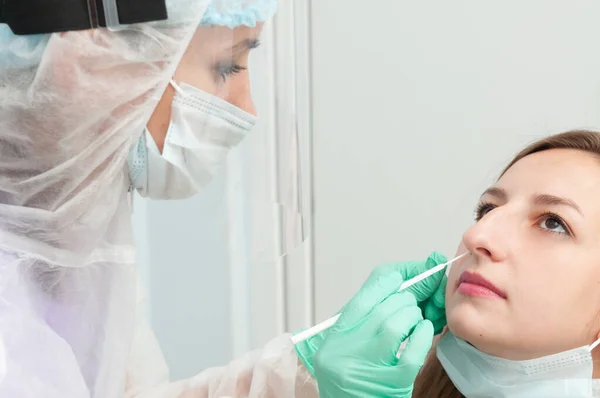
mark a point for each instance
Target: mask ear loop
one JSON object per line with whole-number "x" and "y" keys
{"x": 176, "y": 87}
{"x": 595, "y": 344}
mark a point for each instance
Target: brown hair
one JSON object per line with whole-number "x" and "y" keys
{"x": 432, "y": 381}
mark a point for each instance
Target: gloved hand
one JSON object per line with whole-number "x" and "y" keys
{"x": 430, "y": 292}
{"x": 357, "y": 357}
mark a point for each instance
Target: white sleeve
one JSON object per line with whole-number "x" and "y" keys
{"x": 271, "y": 372}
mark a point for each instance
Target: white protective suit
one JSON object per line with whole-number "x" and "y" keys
{"x": 72, "y": 105}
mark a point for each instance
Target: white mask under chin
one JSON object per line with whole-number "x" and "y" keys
{"x": 477, "y": 375}
{"x": 202, "y": 131}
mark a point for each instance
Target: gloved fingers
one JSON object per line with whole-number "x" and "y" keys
{"x": 395, "y": 329}
{"x": 432, "y": 312}
{"x": 385, "y": 280}
{"x": 439, "y": 297}
{"x": 436, "y": 315}
{"x": 439, "y": 325}
{"x": 413, "y": 357}
{"x": 424, "y": 289}
{"x": 378, "y": 287}
{"x": 435, "y": 258}
{"x": 371, "y": 324}
{"x": 435, "y": 308}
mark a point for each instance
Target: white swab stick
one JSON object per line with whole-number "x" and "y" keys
{"x": 308, "y": 333}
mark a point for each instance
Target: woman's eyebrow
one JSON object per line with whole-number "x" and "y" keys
{"x": 551, "y": 200}
{"x": 499, "y": 193}
{"x": 538, "y": 199}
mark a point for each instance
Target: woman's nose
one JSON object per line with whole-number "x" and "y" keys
{"x": 488, "y": 238}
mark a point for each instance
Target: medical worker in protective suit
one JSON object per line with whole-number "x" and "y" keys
{"x": 89, "y": 115}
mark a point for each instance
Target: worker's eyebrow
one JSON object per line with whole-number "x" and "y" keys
{"x": 242, "y": 46}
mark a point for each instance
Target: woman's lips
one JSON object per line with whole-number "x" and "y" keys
{"x": 472, "y": 284}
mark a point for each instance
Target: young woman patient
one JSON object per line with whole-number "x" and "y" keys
{"x": 523, "y": 310}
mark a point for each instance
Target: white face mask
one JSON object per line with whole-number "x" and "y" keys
{"x": 203, "y": 130}
{"x": 567, "y": 374}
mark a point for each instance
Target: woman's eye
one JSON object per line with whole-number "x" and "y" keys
{"x": 553, "y": 223}
{"x": 483, "y": 209}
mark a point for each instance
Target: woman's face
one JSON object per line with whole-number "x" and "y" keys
{"x": 216, "y": 61}
{"x": 537, "y": 241}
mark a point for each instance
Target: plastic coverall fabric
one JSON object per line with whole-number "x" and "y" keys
{"x": 71, "y": 319}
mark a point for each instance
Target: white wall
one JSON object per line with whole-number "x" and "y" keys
{"x": 417, "y": 105}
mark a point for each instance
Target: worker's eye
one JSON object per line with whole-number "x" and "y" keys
{"x": 225, "y": 70}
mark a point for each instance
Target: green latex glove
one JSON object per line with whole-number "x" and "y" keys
{"x": 357, "y": 357}
{"x": 307, "y": 349}
{"x": 430, "y": 292}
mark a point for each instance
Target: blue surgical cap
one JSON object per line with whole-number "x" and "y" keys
{"x": 234, "y": 13}
{"x": 20, "y": 51}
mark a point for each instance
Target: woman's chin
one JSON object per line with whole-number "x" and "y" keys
{"x": 470, "y": 324}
